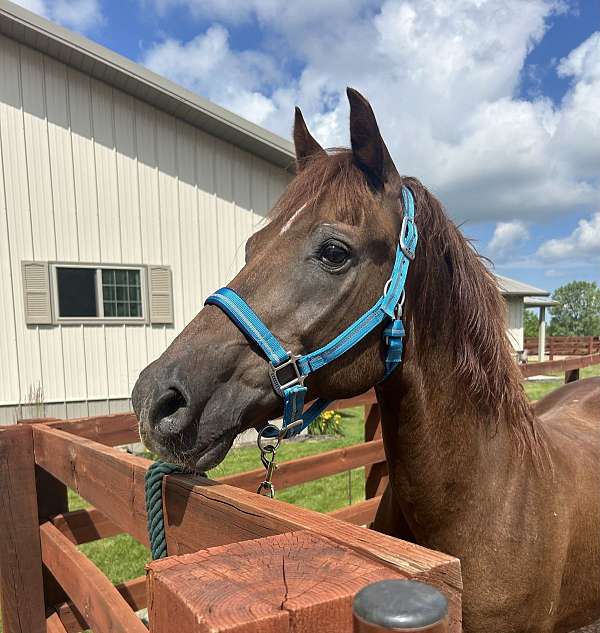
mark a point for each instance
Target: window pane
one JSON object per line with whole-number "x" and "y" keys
{"x": 108, "y": 292}
{"x": 122, "y": 293}
{"x": 76, "y": 292}
{"x": 134, "y": 294}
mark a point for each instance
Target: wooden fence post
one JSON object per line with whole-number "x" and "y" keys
{"x": 375, "y": 474}
{"x": 52, "y": 499}
{"x": 21, "y": 585}
{"x": 571, "y": 375}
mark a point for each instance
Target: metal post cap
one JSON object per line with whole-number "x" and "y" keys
{"x": 400, "y": 604}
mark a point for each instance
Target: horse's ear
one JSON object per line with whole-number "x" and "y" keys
{"x": 306, "y": 146}
{"x": 368, "y": 148}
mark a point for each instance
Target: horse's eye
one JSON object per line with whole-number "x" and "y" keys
{"x": 334, "y": 254}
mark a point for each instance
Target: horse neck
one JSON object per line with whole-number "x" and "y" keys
{"x": 444, "y": 449}
{"x": 441, "y": 452}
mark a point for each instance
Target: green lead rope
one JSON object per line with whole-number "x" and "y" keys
{"x": 154, "y": 505}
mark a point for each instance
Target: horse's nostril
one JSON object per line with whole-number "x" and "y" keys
{"x": 165, "y": 408}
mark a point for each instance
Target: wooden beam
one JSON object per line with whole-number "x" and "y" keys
{"x": 376, "y": 473}
{"x": 305, "y": 469}
{"x": 133, "y": 592}
{"x": 202, "y": 513}
{"x": 83, "y": 526}
{"x": 112, "y": 430}
{"x": 89, "y": 589}
{"x": 299, "y": 581}
{"x": 54, "y": 624}
{"x": 70, "y": 618}
{"x": 361, "y": 513}
{"x": 52, "y": 499}
{"x": 578, "y": 362}
{"x": 572, "y": 375}
{"x": 21, "y": 583}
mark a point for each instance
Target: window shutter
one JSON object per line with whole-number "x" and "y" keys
{"x": 161, "y": 294}
{"x": 36, "y": 293}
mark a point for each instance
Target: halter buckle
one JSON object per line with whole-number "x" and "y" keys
{"x": 286, "y": 374}
{"x": 404, "y": 235}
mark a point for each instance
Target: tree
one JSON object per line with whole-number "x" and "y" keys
{"x": 531, "y": 323}
{"x": 578, "y": 312}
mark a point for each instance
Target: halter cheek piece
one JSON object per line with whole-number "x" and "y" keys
{"x": 288, "y": 370}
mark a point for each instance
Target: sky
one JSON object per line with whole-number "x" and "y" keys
{"x": 493, "y": 104}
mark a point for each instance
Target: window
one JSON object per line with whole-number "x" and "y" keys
{"x": 121, "y": 293}
{"x": 87, "y": 292}
{"x": 91, "y": 293}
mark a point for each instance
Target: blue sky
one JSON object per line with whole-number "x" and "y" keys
{"x": 494, "y": 104}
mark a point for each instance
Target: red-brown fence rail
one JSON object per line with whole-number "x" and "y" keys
{"x": 565, "y": 345}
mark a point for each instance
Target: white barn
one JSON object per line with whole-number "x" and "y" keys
{"x": 124, "y": 186}
{"x": 124, "y": 201}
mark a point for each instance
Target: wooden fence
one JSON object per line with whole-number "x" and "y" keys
{"x": 231, "y": 548}
{"x": 565, "y": 345}
{"x": 239, "y": 561}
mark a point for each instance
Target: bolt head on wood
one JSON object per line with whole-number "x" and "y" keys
{"x": 400, "y": 605}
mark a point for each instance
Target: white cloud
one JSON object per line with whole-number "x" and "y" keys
{"x": 80, "y": 15}
{"x": 508, "y": 239}
{"x": 584, "y": 242}
{"x": 442, "y": 76}
{"x": 208, "y": 66}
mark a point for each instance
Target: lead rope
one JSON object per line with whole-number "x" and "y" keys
{"x": 155, "y": 507}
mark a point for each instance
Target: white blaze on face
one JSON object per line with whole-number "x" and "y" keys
{"x": 289, "y": 223}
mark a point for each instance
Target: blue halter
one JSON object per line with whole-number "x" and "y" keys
{"x": 288, "y": 370}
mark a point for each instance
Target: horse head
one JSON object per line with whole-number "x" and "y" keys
{"x": 322, "y": 260}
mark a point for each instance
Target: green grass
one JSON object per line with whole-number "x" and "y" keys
{"x": 535, "y": 391}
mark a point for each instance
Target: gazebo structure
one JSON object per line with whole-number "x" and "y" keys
{"x": 542, "y": 303}
{"x": 518, "y": 296}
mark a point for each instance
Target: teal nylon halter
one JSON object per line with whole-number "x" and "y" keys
{"x": 288, "y": 371}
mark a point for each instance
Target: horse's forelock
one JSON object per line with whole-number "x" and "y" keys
{"x": 332, "y": 179}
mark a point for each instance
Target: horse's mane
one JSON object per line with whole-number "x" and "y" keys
{"x": 457, "y": 296}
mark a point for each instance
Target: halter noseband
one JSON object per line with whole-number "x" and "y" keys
{"x": 288, "y": 370}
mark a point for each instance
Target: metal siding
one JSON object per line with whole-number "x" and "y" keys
{"x": 226, "y": 225}
{"x": 98, "y": 176}
{"x": 61, "y": 160}
{"x": 9, "y": 367}
{"x": 242, "y": 195}
{"x": 96, "y": 366}
{"x": 106, "y": 173}
{"x": 208, "y": 231}
{"x": 41, "y": 204}
{"x": 189, "y": 283}
{"x": 20, "y": 234}
{"x": 169, "y": 210}
{"x": 84, "y": 166}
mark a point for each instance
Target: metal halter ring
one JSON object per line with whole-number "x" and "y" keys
{"x": 275, "y": 440}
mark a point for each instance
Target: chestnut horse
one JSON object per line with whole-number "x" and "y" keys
{"x": 475, "y": 471}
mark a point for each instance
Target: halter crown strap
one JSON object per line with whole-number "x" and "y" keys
{"x": 288, "y": 371}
